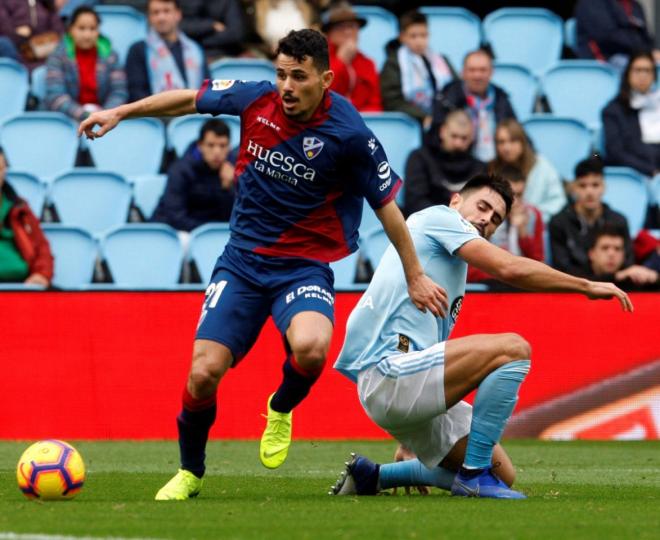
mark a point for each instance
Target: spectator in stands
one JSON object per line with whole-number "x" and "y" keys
{"x": 413, "y": 73}
{"x": 572, "y": 229}
{"x": 66, "y": 7}
{"x": 612, "y": 30}
{"x": 522, "y": 231}
{"x": 168, "y": 59}
{"x": 607, "y": 260}
{"x": 487, "y": 103}
{"x": 631, "y": 121}
{"x": 34, "y": 26}
{"x": 200, "y": 185}
{"x": 25, "y": 255}
{"x": 217, "y": 25}
{"x": 274, "y": 19}
{"x": 83, "y": 74}
{"x": 355, "y": 74}
{"x": 543, "y": 186}
{"x": 442, "y": 166}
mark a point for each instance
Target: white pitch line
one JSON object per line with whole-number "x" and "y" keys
{"x": 39, "y": 536}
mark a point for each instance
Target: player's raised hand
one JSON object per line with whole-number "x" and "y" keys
{"x": 106, "y": 120}
{"x": 600, "y": 290}
{"x": 403, "y": 453}
{"x": 426, "y": 294}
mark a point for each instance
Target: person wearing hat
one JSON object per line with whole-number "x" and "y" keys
{"x": 356, "y": 77}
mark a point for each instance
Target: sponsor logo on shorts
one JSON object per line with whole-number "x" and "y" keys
{"x": 310, "y": 292}
{"x": 221, "y": 84}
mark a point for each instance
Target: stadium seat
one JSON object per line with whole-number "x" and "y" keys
{"x": 14, "y": 87}
{"x": 570, "y": 34}
{"x": 564, "y": 141}
{"x": 369, "y": 220}
{"x": 374, "y": 245}
{"x": 38, "y": 83}
{"x": 626, "y": 192}
{"x": 143, "y": 255}
{"x": 521, "y": 86}
{"x": 93, "y": 200}
{"x": 75, "y": 252}
{"x": 41, "y": 143}
{"x": 123, "y": 26}
{"x": 381, "y": 27}
{"x": 453, "y": 31}
{"x": 183, "y": 130}
{"x": 531, "y": 37}
{"x": 132, "y": 148}
{"x": 30, "y": 188}
{"x": 243, "y": 69}
{"x": 345, "y": 270}
{"x": 147, "y": 190}
{"x": 206, "y": 244}
{"x": 580, "y": 89}
{"x": 655, "y": 190}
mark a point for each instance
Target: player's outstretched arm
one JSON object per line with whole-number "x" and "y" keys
{"x": 422, "y": 290}
{"x": 171, "y": 103}
{"x": 533, "y": 275}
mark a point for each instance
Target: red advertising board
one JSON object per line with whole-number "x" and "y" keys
{"x": 111, "y": 365}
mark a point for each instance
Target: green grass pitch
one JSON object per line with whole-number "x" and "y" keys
{"x": 576, "y": 490}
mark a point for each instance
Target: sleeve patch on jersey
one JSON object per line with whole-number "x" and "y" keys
{"x": 222, "y": 84}
{"x": 404, "y": 343}
{"x": 468, "y": 227}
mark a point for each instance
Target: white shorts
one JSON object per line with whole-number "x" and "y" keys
{"x": 405, "y": 395}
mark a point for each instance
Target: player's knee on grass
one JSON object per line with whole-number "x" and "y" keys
{"x": 209, "y": 364}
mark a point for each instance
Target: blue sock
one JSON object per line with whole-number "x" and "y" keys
{"x": 296, "y": 384}
{"x": 413, "y": 473}
{"x": 496, "y": 397}
{"x": 194, "y": 422}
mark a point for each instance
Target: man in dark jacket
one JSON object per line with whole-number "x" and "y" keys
{"x": 572, "y": 230}
{"x": 611, "y": 30}
{"x": 217, "y": 25}
{"x": 441, "y": 167}
{"x": 486, "y": 103}
{"x": 199, "y": 186}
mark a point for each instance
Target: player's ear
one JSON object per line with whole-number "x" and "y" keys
{"x": 326, "y": 78}
{"x": 455, "y": 200}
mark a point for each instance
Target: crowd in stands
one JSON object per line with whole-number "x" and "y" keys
{"x": 467, "y": 122}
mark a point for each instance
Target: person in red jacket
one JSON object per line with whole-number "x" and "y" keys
{"x": 24, "y": 251}
{"x": 356, "y": 77}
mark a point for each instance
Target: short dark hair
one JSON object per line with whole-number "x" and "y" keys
{"x": 300, "y": 44}
{"x": 176, "y": 3}
{"x": 511, "y": 173}
{"x": 607, "y": 229}
{"x": 412, "y": 17}
{"x": 82, "y": 10}
{"x": 214, "y": 126}
{"x": 494, "y": 182}
{"x": 591, "y": 165}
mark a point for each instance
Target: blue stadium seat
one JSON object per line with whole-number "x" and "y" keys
{"x": 143, "y": 255}
{"x": 374, "y": 245}
{"x": 93, "y": 200}
{"x": 369, "y": 220}
{"x": 655, "y": 190}
{"x": 570, "y": 34}
{"x": 206, "y": 244}
{"x": 14, "y": 87}
{"x": 134, "y": 147}
{"x": 564, "y": 141}
{"x": 381, "y": 27}
{"x": 38, "y": 83}
{"x": 41, "y": 143}
{"x": 243, "y": 69}
{"x": 344, "y": 271}
{"x": 183, "y": 130}
{"x": 123, "y": 26}
{"x": 30, "y": 188}
{"x": 147, "y": 190}
{"x": 580, "y": 89}
{"x": 531, "y": 37}
{"x": 75, "y": 253}
{"x": 453, "y": 31}
{"x": 521, "y": 86}
{"x": 626, "y": 192}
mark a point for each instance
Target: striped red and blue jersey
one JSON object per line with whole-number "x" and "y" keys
{"x": 300, "y": 185}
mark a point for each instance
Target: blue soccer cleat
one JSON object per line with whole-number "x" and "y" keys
{"x": 485, "y": 484}
{"x": 359, "y": 478}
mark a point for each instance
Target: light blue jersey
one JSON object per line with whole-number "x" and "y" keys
{"x": 386, "y": 322}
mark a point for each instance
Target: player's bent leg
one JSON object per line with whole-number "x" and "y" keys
{"x": 210, "y": 362}
{"x": 308, "y": 337}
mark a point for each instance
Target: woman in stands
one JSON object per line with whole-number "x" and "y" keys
{"x": 543, "y": 186}
{"x": 84, "y": 74}
{"x": 631, "y": 121}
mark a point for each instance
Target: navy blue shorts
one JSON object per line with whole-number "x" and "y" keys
{"x": 246, "y": 288}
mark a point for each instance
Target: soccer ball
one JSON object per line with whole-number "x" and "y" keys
{"x": 50, "y": 470}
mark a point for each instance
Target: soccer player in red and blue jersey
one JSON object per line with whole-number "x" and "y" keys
{"x": 305, "y": 163}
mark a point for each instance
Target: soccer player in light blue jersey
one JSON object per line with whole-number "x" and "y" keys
{"x": 411, "y": 377}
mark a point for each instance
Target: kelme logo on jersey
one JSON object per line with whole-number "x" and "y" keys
{"x": 312, "y": 147}
{"x": 278, "y": 165}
